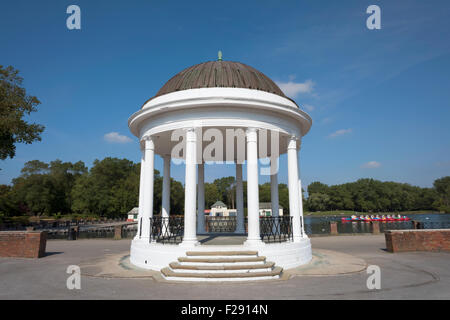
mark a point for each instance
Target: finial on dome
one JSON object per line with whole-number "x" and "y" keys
{"x": 219, "y": 56}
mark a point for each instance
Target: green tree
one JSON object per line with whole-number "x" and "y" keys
{"x": 8, "y": 207}
{"x": 283, "y": 197}
{"x": 318, "y": 202}
{"x": 225, "y": 187}
{"x": 442, "y": 188}
{"x": 46, "y": 188}
{"x": 317, "y": 187}
{"x": 14, "y": 105}
{"x": 102, "y": 191}
{"x": 211, "y": 194}
{"x": 176, "y": 197}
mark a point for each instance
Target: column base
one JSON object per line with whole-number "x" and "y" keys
{"x": 254, "y": 242}
{"x": 189, "y": 243}
{"x": 299, "y": 238}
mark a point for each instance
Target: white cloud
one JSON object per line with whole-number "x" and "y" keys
{"x": 115, "y": 137}
{"x": 292, "y": 89}
{"x": 371, "y": 165}
{"x": 339, "y": 133}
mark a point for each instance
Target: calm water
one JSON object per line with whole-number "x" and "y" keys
{"x": 321, "y": 225}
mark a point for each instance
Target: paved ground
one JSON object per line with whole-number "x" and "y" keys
{"x": 418, "y": 275}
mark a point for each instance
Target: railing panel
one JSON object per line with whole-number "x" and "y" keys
{"x": 221, "y": 224}
{"x": 275, "y": 229}
{"x": 166, "y": 230}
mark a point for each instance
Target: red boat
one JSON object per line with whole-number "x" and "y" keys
{"x": 351, "y": 219}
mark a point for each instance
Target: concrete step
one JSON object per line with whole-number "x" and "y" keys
{"x": 222, "y": 253}
{"x": 221, "y": 260}
{"x": 169, "y": 274}
{"x": 233, "y": 268}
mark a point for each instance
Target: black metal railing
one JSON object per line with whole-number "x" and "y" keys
{"x": 221, "y": 224}
{"x": 166, "y": 230}
{"x": 275, "y": 229}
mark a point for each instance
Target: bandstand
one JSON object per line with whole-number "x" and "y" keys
{"x": 220, "y": 112}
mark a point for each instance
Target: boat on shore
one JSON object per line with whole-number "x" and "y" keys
{"x": 368, "y": 219}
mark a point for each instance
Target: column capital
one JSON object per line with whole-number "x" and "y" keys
{"x": 148, "y": 142}
{"x": 292, "y": 142}
{"x": 251, "y": 134}
{"x": 191, "y": 134}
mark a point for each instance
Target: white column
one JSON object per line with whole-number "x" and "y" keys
{"x": 240, "y": 227}
{"x": 190, "y": 190}
{"x": 274, "y": 194}
{"x": 141, "y": 192}
{"x": 147, "y": 210}
{"x": 165, "y": 201}
{"x": 201, "y": 199}
{"x": 274, "y": 189}
{"x": 252, "y": 188}
{"x": 302, "y": 225}
{"x": 293, "y": 188}
{"x": 165, "y": 211}
{"x": 302, "y": 222}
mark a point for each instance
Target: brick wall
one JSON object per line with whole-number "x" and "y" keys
{"x": 23, "y": 244}
{"x": 418, "y": 240}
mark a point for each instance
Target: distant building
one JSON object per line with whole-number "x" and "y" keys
{"x": 133, "y": 214}
{"x": 219, "y": 209}
{"x": 265, "y": 209}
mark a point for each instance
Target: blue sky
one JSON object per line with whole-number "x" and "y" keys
{"x": 379, "y": 99}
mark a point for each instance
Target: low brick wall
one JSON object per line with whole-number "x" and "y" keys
{"x": 24, "y": 244}
{"x": 418, "y": 240}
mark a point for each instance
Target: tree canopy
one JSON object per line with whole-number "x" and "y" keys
{"x": 111, "y": 188}
{"x": 369, "y": 195}
{"x": 15, "y": 104}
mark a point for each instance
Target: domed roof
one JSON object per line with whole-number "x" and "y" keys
{"x": 220, "y": 73}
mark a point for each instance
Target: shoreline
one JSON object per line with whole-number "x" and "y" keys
{"x": 338, "y": 213}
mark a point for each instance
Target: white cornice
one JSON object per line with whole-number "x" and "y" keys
{"x": 229, "y": 97}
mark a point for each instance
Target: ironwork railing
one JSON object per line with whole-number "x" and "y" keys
{"x": 221, "y": 224}
{"x": 166, "y": 230}
{"x": 276, "y": 229}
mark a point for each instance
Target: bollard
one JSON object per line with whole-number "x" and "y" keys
{"x": 375, "y": 227}
{"x": 72, "y": 233}
{"x": 333, "y": 228}
{"x": 417, "y": 224}
{"x": 118, "y": 232}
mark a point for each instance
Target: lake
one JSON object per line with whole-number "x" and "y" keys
{"x": 321, "y": 224}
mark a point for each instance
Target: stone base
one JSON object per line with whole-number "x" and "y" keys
{"x": 23, "y": 244}
{"x": 417, "y": 240}
{"x": 155, "y": 256}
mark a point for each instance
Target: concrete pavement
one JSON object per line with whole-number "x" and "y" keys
{"x": 415, "y": 275}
